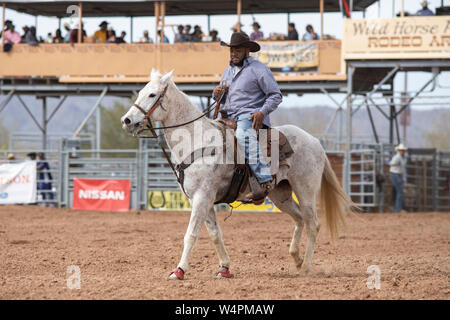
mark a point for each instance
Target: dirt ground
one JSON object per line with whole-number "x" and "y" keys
{"x": 130, "y": 255}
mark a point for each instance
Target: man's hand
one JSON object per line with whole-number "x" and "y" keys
{"x": 219, "y": 91}
{"x": 257, "y": 118}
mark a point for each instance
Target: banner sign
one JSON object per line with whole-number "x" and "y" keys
{"x": 168, "y": 200}
{"x": 18, "y": 182}
{"x": 175, "y": 200}
{"x": 101, "y": 194}
{"x": 397, "y": 38}
{"x": 289, "y": 56}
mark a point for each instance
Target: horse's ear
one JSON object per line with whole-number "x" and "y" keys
{"x": 165, "y": 78}
{"x": 153, "y": 72}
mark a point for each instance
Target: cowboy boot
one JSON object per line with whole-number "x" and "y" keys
{"x": 257, "y": 196}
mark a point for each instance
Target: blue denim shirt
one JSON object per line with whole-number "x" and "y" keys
{"x": 252, "y": 89}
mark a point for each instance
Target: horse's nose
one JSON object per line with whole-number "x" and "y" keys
{"x": 126, "y": 121}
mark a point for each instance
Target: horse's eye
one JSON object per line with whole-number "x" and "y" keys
{"x": 152, "y": 95}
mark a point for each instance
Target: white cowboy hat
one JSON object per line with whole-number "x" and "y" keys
{"x": 401, "y": 147}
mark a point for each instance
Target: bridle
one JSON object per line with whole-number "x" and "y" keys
{"x": 147, "y": 120}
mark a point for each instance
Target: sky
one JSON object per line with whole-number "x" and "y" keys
{"x": 270, "y": 23}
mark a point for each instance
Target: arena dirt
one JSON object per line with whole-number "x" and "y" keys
{"x": 130, "y": 255}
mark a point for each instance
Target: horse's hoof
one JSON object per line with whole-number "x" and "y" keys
{"x": 224, "y": 272}
{"x": 177, "y": 274}
{"x": 304, "y": 270}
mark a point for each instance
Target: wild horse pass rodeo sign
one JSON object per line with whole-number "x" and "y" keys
{"x": 397, "y": 38}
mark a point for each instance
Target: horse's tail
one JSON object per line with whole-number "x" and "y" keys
{"x": 333, "y": 200}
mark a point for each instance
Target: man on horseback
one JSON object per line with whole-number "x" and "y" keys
{"x": 250, "y": 93}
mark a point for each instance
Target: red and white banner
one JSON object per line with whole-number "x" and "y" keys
{"x": 101, "y": 194}
{"x": 18, "y": 182}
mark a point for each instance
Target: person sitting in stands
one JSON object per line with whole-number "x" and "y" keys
{"x": 257, "y": 33}
{"x": 180, "y": 36}
{"x": 236, "y": 27}
{"x": 292, "y": 32}
{"x": 310, "y": 34}
{"x": 67, "y": 35}
{"x": 25, "y": 31}
{"x": 100, "y": 35}
{"x": 146, "y": 38}
{"x": 213, "y": 34}
{"x": 58, "y": 37}
{"x": 73, "y": 38}
{"x": 111, "y": 36}
{"x": 187, "y": 34}
{"x": 121, "y": 39}
{"x": 197, "y": 35}
{"x": 166, "y": 40}
{"x": 11, "y": 36}
{"x": 425, "y": 11}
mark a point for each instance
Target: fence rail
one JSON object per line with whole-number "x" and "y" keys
{"x": 427, "y": 187}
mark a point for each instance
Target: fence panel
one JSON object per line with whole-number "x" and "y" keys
{"x": 363, "y": 178}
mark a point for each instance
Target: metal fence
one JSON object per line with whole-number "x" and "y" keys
{"x": 427, "y": 187}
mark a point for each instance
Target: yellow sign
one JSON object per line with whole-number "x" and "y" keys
{"x": 289, "y": 56}
{"x": 168, "y": 200}
{"x": 397, "y": 38}
{"x": 175, "y": 200}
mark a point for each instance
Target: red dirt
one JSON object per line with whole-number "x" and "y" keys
{"x": 130, "y": 255}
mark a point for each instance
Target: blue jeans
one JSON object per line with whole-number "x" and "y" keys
{"x": 247, "y": 139}
{"x": 397, "y": 182}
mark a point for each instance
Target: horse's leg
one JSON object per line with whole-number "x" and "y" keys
{"x": 198, "y": 216}
{"x": 307, "y": 196}
{"x": 282, "y": 198}
{"x": 216, "y": 236}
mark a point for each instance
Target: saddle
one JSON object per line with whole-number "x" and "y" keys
{"x": 243, "y": 175}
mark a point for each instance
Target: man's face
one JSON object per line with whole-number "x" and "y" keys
{"x": 103, "y": 27}
{"x": 237, "y": 54}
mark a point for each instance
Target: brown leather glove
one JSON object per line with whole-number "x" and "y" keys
{"x": 219, "y": 90}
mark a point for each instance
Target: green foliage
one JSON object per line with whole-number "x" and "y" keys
{"x": 439, "y": 136}
{"x": 113, "y": 136}
{"x": 4, "y": 137}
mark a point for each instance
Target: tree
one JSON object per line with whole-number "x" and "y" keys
{"x": 113, "y": 136}
{"x": 439, "y": 136}
{"x": 4, "y": 137}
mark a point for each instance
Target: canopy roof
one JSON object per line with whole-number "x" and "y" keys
{"x": 175, "y": 7}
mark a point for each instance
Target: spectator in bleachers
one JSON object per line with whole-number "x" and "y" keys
{"x": 25, "y": 31}
{"x": 236, "y": 27}
{"x": 111, "y": 36}
{"x": 213, "y": 34}
{"x": 197, "y": 35}
{"x": 397, "y": 172}
{"x": 146, "y": 38}
{"x": 180, "y": 36}
{"x": 73, "y": 38}
{"x": 187, "y": 33}
{"x": 292, "y": 32}
{"x": 67, "y": 29}
{"x": 58, "y": 37}
{"x": 425, "y": 11}
{"x": 49, "y": 38}
{"x": 310, "y": 34}
{"x": 44, "y": 177}
{"x": 166, "y": 40}
{"x": 257, "y": 33}
{"x": 31, "y": 37}
{"x": 101, "y": 35}
{"x": 11, "y": 37}
{"x": 121, "y": 39}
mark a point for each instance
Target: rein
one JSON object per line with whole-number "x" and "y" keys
{"x": 149, "y": 126}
